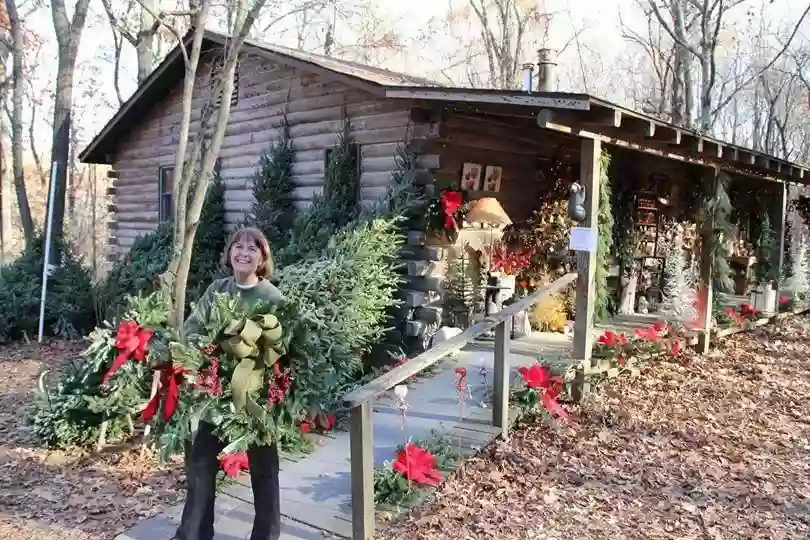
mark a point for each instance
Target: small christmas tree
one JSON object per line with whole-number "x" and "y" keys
{"x": 678, "y": 305}
{"x": 462, "y": 290}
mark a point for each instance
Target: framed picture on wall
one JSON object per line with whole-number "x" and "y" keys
{"x": 492, "y": 178}
{"x": 471, "y": 177}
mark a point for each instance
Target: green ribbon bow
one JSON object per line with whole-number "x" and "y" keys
{"x": 257, "y": 344}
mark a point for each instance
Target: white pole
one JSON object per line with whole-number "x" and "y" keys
{"x": 46, "y": 261}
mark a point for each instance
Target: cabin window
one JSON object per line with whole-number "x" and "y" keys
{"x": 165, "y": 193}
{"x": 354, "y": 150}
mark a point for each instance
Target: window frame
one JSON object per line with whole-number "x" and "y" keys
{"x": 165, "y": 173}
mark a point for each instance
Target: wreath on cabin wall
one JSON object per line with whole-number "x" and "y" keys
{"x": 444, "y": 215}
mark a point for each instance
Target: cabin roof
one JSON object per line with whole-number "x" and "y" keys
{"x": 572, "y": 113}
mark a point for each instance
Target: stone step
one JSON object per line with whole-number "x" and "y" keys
{"x": 416, "y": 238}
{"x": 423, "y": 253}
{"x": 415, "y": 299}
{"x": 429, "y": 314}
{"x": 415, "y": 328}
{"x": 426, "y": 283}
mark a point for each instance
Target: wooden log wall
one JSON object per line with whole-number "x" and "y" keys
{"x": 314, "y": 106}
{"x": 467, "y": 138}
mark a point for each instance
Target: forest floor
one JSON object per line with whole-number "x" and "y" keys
{"x": 714, "y": 447}
{"x": 707, "y": 448}
{"x": 56, "y": 495}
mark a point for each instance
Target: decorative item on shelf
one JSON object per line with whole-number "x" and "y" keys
{"x": 576, "y": 202}
{"x": 444, "y": 215}
{"x": 763, "y": 298}
{"x": 471, "y": 177}
{"x": 488, "y": 211}
{"x": 492, "y": 178}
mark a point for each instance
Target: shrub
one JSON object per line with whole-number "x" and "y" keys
{"x": 69, "y": 309}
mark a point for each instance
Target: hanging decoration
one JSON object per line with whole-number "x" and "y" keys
{"x": 483, "y": 373}
{"x": 445, "y": 214}
{"x": 401, "y": 392}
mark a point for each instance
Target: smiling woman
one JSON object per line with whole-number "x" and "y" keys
{"x": 247, "y": 256}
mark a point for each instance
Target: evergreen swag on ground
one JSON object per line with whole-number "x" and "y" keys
{"x": 340, "y": 280}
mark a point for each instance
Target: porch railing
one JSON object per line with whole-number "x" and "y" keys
{"x": 360, "y": 400}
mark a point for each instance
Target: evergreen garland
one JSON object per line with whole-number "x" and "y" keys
{"x": 273, "y": 211}
{"x": 604, "y": 240}
{"x": 787, "y": 261}
{"x": 713, "y": 218}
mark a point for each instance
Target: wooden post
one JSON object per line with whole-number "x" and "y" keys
{"x": 782, "y": 198}
{"x": 500, "y": 408}
{"x": 362, "y": 471}
{"x": 706, "y": 277}
{"x": 586, "y": 261}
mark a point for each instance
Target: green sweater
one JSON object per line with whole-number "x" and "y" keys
{"x": 263, "y": 291}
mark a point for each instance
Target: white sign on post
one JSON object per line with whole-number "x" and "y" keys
{"x": 583, "y": 239}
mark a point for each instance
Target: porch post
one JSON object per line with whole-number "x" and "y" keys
{"x": 706, "y": 290}
{"x": 589, "y": 173}
{"x": 782, "y": 198}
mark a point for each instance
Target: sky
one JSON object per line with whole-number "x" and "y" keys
{"x": 599, "y": 41}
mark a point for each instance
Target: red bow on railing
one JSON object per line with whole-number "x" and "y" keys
{"x": 451, "y": 202}
{"x": 168, "y": 392}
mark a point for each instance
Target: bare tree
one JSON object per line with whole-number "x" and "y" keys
{"x": 142, "y": 38}
{"x": 194, "y": 163}
{"x": 68, "y": 36}
{"x": 702, "y": 44}
{"x": 17, "y": 53}
{"x": 503, "y": 27}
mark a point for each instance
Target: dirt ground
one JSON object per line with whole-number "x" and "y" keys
{"x": 59, "y": 496}
{"x": 710, "y": 448}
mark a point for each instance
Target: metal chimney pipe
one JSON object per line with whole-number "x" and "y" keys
{"x": 547, "y": 67}
{"x": 528, "y": 72}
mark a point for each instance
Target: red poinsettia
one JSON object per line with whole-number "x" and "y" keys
{"x": 613, "y": 339}
{"x": 510, "y": 261}
{"x": 418, "y": 465}
{"x": 676, "y": 348}
{"x": 539, "y": 378}
{"x": 168, "y": 393}
{"x": 326, "y": 422}
{"x": 132, "y": 342}
{"x": 651, "y": 333}
{"x": 783, "y": 300}
{"x": 305, "y": 426}
{"x": 234, "y": 463}
{"x": 748, "y": 311}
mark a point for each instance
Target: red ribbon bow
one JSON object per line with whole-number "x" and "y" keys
{"x": 131, "y": 342}
{"x": 451, "y": 202}
{"x": 168, "y": 392}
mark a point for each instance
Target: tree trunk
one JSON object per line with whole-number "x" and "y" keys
{"x": 68, "y": 36}
{"x": 16, "y": 122}
{"x": 145, "y": 40}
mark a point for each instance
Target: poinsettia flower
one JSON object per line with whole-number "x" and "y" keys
{"x": 784, "y": 300}
{"x": 234, "y": 463}
{"x": 661, "y": 328}
{"x": 461, "y": 372}
{"x": 328, "y": 422}
{"x": 676, "y": 348}
{"x": 553, "y": 406}
{"x": 305, "y": 427}
{"x": 418, "y": 465}
{"x": 613, "y": 339}
{"x": 648, "y": 334}
{"x": 537, "y": 376}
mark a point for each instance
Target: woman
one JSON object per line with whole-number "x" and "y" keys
{"x": 247, "y": 256}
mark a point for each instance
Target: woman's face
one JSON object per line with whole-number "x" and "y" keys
{"x": 245, "y": 256}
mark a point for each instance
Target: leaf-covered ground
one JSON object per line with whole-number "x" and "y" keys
{"x": 716, "y": 447}
{"x": 59, "y": 496}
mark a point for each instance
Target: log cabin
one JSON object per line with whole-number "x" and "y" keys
{"x": 523, "y": 133}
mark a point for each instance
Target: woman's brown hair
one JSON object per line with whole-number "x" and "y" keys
{"x": 265, "y": 268}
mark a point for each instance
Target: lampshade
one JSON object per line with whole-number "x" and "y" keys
{"x": 488, "y": 211}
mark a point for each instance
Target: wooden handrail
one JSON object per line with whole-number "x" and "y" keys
{"x": 401, "y": 373}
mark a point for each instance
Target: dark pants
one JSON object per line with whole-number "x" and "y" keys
{"x": 202, "y": 465}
